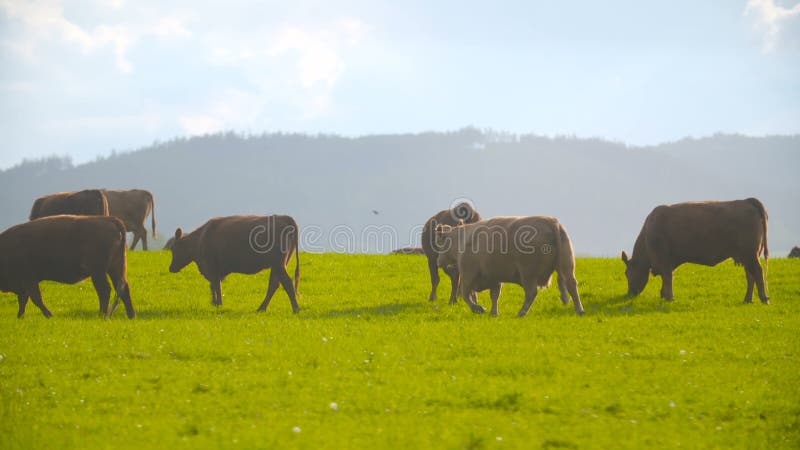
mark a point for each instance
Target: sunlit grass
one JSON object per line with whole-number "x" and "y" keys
{"x": 702, "y": 371}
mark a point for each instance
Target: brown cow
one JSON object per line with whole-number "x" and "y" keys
{"x": 241, "y": 244}
{"x": 462, "y": 212}
{"x": 89, "y": 202}
{"x": 66, "y": 249}
{"x": 795, "y": 253}
{"x": 521, "y": 250}
{"x": 701, "y": 233}
{"x": 408, "y": 251}
{"x": 133, "y": 206}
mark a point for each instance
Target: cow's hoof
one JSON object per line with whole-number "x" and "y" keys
{"x": 521, "y": 314}
{"x": 297, "y": 311}
{"x": 453, "y": 302}
{"x": 765, "y": 301}
{"x": 580, "y": 312}
{"x": 48, "y": 314}
{"x": 478, "y": 309}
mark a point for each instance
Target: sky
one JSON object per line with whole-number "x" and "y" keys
{"x": 83, "y": 78}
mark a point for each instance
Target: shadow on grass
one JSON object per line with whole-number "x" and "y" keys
{"x": 622, "y": 305}
{"x": 387, "y": 309}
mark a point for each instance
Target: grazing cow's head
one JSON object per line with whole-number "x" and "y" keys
{"x": 446, "y": 245}
{"x": 181, "y": 253}
{"x": 637, "y": 272}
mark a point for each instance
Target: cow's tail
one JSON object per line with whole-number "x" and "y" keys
{"x": 121, "y": 283}
{"x": 296, "y": 245}
{"x": 764, "y": 221}
{"x": 104, "y": 202}
{"x": 152, "y": 214}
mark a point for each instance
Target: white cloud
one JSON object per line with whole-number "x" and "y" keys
{"x": 770, "y": 19}
{"x": 45, "y": 22}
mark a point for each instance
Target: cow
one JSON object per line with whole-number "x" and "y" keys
{"x": 795, "y": 253}
{"x": 521, "y": 250}
{"x": 408, "y": 251}
{"x": 461, "y": 213}
{"x": 89, "y": 202}
{"x": 704, "y": 233}
{"x": 168, "y": 245}
{"x": 241, "y": 244}
{"x": 133, "y": 206}
{"x": 66, "y": 249}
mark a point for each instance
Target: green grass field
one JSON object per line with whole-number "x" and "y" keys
{"x": 369, "y": 362}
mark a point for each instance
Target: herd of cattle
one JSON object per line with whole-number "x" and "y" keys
{"x": 72, "y": 236}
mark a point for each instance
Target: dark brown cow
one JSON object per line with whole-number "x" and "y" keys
{"x": 795, "y": 253}
{"x": 89, "y": 202}
{"x": 133, "y": 206}
{"x": 701, "y": 233}
{"x": 241, "y": 244}
{"x": 521, "y": 250}
{"x": 463, "y": 212}
{"x": 66, "y": 249}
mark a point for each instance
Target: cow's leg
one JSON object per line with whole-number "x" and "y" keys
{"x": 135, "y": 239}
{"x": 274, "y": 282}
{"x": 751, "y": 282}
{"x": 494, "y": 294}
{"x": 572, "y": 287}
{"x": 468, "y": 294}
{"x": 530, "y": 296}
{"x": 23, "y": 302}
{"x": 36, "y": 296}
{"x": 123, "y": 290}
{"x": 562, "y": 288}
{"x": 143, "y": 233}
{"x": 754, "y": 266}
{"x": 666, "y": 284}
{"x": 286, "y": 282}
{"x": 103, "y": 289}
{"x": 454, "y": 281}
{"x": 216, "y": 292}
{"x": 433, "y": 268}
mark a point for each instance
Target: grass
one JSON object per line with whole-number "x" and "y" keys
{"x": 369, "y": 362}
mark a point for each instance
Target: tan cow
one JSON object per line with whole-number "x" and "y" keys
{"x": 701, "y": 233}
{"x": 521, "y": 250}
{"x": 241, "y": 244}
{"x": 89, "y": 202}
{"x": 133, "y": 207}
{"x": 461, "y": 213}
{"x": 66, "y": 249}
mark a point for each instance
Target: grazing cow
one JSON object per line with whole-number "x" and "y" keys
{"x": 241, "y": 244}
{"x": 795, "y": 253}
{"x": 168, "y": 245}
{"x": 89, "y": 202}
{"x": 701, "y": 233}
{"x": 408, "y": 251}
{"x": 66, "y": 249}
{"x": 463, "y": 212}
{"x": 133, "y": 206}
{"x": 521, "y": 250}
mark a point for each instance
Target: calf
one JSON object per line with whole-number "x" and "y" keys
{"x": 701, "y": 233}
{"x": 521, "y": 250}
{"x": 67, "y": 249}
{"x": 241, "y": 244}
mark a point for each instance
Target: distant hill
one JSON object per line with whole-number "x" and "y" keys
{"x": 372, "y": 193}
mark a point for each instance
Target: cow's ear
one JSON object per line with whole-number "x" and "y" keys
{"x": 178, "y": 234}
{"x": 624, "y": 257}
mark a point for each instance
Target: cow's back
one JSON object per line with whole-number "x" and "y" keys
{"x": 704, "y": 232}
{"x": 500, "y": 246}
{"x": 244, "y": 244}
{"x": 89, "y": 202}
